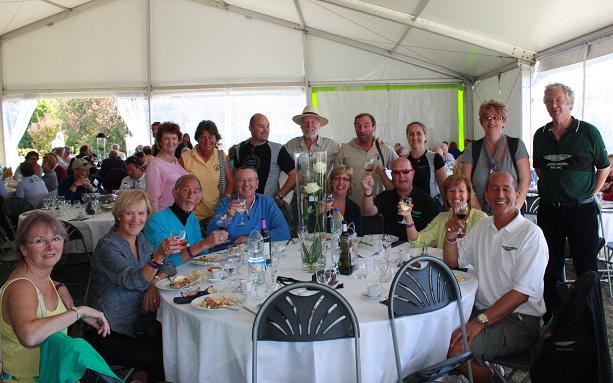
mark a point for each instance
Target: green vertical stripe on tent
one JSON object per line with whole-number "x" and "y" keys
{"x": 352, "y": 88}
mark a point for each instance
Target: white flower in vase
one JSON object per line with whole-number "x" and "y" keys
{"x": 320, "y": 167}
{"x": 312, "y": 187}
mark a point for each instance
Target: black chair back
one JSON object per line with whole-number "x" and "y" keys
{"x": 324, "y": 315}
{"x": 12, "y": 207}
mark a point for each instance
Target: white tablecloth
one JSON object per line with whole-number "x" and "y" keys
{"x": 216, "y": 346}
{"x": 93, "y": 228}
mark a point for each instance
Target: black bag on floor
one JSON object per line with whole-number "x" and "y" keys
{"x": 578, "y": 350}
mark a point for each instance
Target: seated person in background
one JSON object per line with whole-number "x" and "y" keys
{"x": 509, "y": 255}
{"x": 257, "y": 207}
{"x": 340, "y": 185}
{"x": 187, "y": 193}
{"x": 113, "y": 162}
{"x": 78, "y": 182}
{"x": 31, "y": 157}
{"x": 31, "y": 188}
{"x": 388, "y": 202}
{"x": 121, "y": 155}
{"x": 34, "y": 306}
{"x": 50, "y": 176}
{"x": 136, "y": 176}
{"x": 457, "y": 191}
{"x": 125, "y": 269}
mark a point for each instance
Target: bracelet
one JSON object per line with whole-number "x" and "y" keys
{"x": 368, "y": 195}
{"x": 58, "y": 285}
{"x": 154, "y": 265}
{"x": 452, "y": 240}
{"x": 76, "y": 311}
{"x": 189, "y": 252}
{"x": 410, "y": 225}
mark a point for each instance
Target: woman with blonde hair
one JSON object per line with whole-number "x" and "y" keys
{"x": 340, "y": 185}
{"x": 457, "y": 191}
{"x": 125, "y": 269}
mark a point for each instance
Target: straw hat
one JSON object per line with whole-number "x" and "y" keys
{"x": 310, "y": 111}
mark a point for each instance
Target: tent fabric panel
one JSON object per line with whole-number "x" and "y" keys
{"x": 15, "y": 14}
{"x": 82, "y": 51}
{"x": 332, "y": 61}
{"x": 282, "y": 9}
{"x": 213, "y": 46}
{"x": 393, "y": 110}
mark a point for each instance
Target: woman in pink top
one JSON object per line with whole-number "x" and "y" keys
{"x": 164, "y": 170}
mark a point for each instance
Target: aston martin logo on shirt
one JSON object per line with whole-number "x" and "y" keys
{"x": 557, "y": 157}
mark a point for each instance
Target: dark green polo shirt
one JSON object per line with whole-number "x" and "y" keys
{"x": 568, "y": 166}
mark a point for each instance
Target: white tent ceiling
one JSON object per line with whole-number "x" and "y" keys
{"x": 77, "y": 44}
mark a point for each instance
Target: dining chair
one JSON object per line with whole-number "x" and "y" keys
{"x": 12, "y": 207}
{"x": 422, "y": 285}
{"x": 74, "y": 234}
{"x": 323, "y": 315}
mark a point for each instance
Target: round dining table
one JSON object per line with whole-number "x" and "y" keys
{"x": 215, "y": 346}
{"x": 93, "y": 227}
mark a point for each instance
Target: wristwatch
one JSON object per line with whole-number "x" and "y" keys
{"x": 483, "y": 319}
{"x": 279, "y": 197}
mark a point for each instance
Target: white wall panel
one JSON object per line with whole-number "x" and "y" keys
{"x": 508, "y": 90}
{"x": 331, "y": 61}
{"x": 194, "y": 43}
{"x": 104, "y": 47}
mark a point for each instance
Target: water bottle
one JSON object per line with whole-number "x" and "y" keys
{"x": 256, "y": 261}
{"x": 336, "y": 228}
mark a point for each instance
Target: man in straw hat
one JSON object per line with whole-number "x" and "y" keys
{"x": 310, "y": 121}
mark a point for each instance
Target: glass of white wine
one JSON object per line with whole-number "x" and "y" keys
{"x": 405, "y": 204}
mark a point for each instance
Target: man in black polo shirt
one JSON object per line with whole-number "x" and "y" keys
{"x": 570, "y": 159}
{"x": 386, "y": 202}
{"x": 267, "y": 158}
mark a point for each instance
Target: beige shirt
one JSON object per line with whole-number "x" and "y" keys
{"x": 323, "y": 144}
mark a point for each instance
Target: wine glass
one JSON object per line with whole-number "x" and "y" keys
{"x": 46, "y": 203}
{"x": 242, "y": 209}
{"x": 461, "y": 212}
{"x": 179, "y": 234}
{"x": 361, "y": 271}
{"x": 323, "y": 274}
{"x": 369, "y": 165}
{"x": 380, "y": 266}
{"x": 405, "y": 204}
{"x": 223, "y": 222}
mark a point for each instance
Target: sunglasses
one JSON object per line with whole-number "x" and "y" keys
{"x": 489, "y": 118}
{"x": 403, "y": 171}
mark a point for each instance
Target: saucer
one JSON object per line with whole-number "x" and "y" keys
{"x": 365, "y": 295}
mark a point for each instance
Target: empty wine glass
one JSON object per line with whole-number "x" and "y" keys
{"x": 323, "y": 274}
{"x": 380, "y": 266}
{"x": 460, "y": 210}
{"x": 242, "y": 209}
{"x": 405, "y": 204}
{"x": 361, "y": 271}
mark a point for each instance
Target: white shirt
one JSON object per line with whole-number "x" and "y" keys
{"x": 131, "y": 183}
{"x": 512, "y": 258}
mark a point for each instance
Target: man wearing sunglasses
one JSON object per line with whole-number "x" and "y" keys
{"x": 387, "y": 202}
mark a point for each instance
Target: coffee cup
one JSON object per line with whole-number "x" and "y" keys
{"x": 373, "y": 290}
{"x": 216, "y": 274}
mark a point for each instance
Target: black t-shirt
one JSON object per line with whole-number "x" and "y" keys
{"x": 259, "y": 157}
{"x": 421, "y": 179}
{"x": 423, "y": 212}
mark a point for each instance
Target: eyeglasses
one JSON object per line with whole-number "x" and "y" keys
{"x": 41, "y": 242}
{"x": 403, "y": 171}
{"x": 344, "y": 179}
{"x": 489, "y": 118}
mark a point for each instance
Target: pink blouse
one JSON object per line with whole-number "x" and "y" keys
{"x": 161, "y": 177}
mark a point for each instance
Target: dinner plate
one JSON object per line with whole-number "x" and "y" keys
{"x": 371, "y": 239}
{"x": 236, "y": 298}
{"x": 164, "y": 284}
{"x": 210, "y": 259}
{"x": 462, "y": 277}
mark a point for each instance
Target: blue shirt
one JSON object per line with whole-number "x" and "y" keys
{"x": 264, "y": 207}
{"x": 160, "y": 224}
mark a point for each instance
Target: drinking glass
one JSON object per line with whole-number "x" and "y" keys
{"x": 179, "y": 233}
{"x": 242, "y": 209}
{"x": 369, "y": 165}
{"x": 380, "y": 266}
{"x": 405, "y": 204}
{"x": 361, "y": 271}
{"x": 461, "y": 212}
{"x": 329, "y": 203}
{"x": 323, "y": 274}
{"x": 223, "y": 221}
{"x": 46, "y": 203}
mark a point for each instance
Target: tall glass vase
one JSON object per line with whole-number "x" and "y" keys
{"x": 311, "y": 189}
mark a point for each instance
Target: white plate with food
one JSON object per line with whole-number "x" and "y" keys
{"x": 462, "y": 276}
{"x": 179, "y": 282}
{"x": 210, "y": 259}
{"x": 218, "y": 301}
